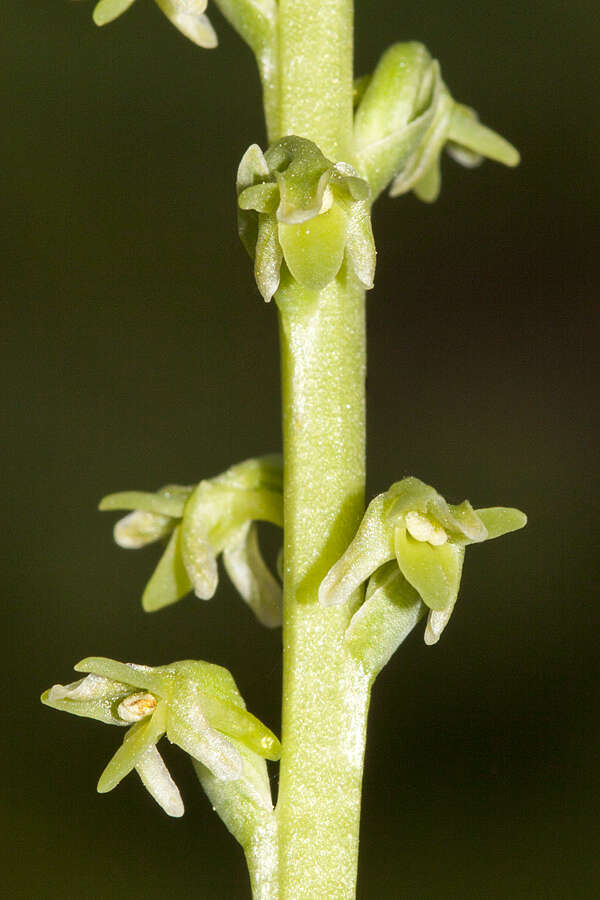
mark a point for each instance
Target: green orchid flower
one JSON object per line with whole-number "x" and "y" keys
{"x": 298, "y": 206}
{"x": 426, "y": 536}
{"x": 188, "y": 16}
{"x": 216, "y": 517}
{"x": 406, "y": 117}
{"x": 196, "y": 704}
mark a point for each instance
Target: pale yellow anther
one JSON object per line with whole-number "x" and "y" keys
{"x": 422, "y": 528}
{"x": 136, "y": 707}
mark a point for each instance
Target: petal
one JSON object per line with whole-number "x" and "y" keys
{"x": 467, "y": 131}
{"x": 371, "y": 548}
{"x": 137, "y": 741}
{"x": 360, "y": 245}
{"x": 314, "y": 250}
{"x": 268, "y": 256}
{"x": 252, "y": 168}
{"x": 193, "y": 734}
{"x": 256, "y": 472}
{"x": 262, "y": 198}
{"x": 188, "y": 16}
{"x": 236, "y": 722}
{"x": 170, "y": 580}
{"x": 428, "y": 187}
{"x": 150, "y": 679}
{"x": 391, "y": 610}
{"x": 460, "y": 520}
{"x": 250, "y": 575}
{"x": 141, "y": 528}
{"x": 93, "y": 697}
{"x": 108, "y": 10}
{"x": 436, "y": 622}
{"x": 500, "y": 520}
{"x": 432, "y": 143}
{"x": 169, "y": 501}
{"x": 434, "y": 572}
{"x": 158, "y": 782}
{"x": 231, "y": 798}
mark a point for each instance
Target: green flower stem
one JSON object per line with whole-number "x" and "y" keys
{"x": 325, "y": 691}
{"x": 316, "y": 79}
{"x": 256, "y": 22}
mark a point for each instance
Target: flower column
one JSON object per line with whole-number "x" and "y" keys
{"x": 323, "y": 370}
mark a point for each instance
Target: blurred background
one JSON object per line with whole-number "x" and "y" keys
{"x": 139, "y": 353}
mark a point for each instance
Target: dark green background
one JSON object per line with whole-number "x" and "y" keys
{"x": 139, "y": 353}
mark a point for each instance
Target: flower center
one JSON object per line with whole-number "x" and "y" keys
{"x": 422, "y": 528}
{"x": 136, "y": 707}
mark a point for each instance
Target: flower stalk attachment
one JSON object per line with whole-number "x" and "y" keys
{"x": 355, "y": 582}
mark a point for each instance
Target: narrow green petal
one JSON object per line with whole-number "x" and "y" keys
{"x": 188, "y": 17}
{"x": 237, "y": 801}
{"x": 263, "y": 198}
{"x": 108, "y": 10}
{"x": 408, "y": 495}
{"x": 436, "y": 622}
{"x": 360, "y": 244}
{"x": 137, "y": 741}
{"x": 371, "y": 548}
{"x": 346, "y": 182}
{"x": 158, "y": 782}
{"x": 390, "y": 98}
{"x": 500, "y": 520}
{"x": 249, "y": 573}
{"x": 467, "y": 131}
{"x": 391, "y": 610}
{"x": 314, "y": 250}
{"x": 138, "y": 529}
{"x": 257, "y": 472}
{"x": 460, "y": 519}
{"x": 462, "y": 156}
{"x": 238, "y": 723}
{"x": 130, "y": 674}
{"x": 164, "y": 504}
{"x": 93, "y": 697}
{"x": 428, "y": 187}
{"x": 170, "y": 580}
{"x": 389, "y": 155}
{"x": 268, "y": 256}
{"x": 303, "y": 174}
{"x": 434, "y": 572}
{"x": 194, "y": 735}
{"x": 252, "y": 168}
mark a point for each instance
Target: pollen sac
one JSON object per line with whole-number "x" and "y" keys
{"x": 297, "y": 206}
{"x": 136, "y": 707}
